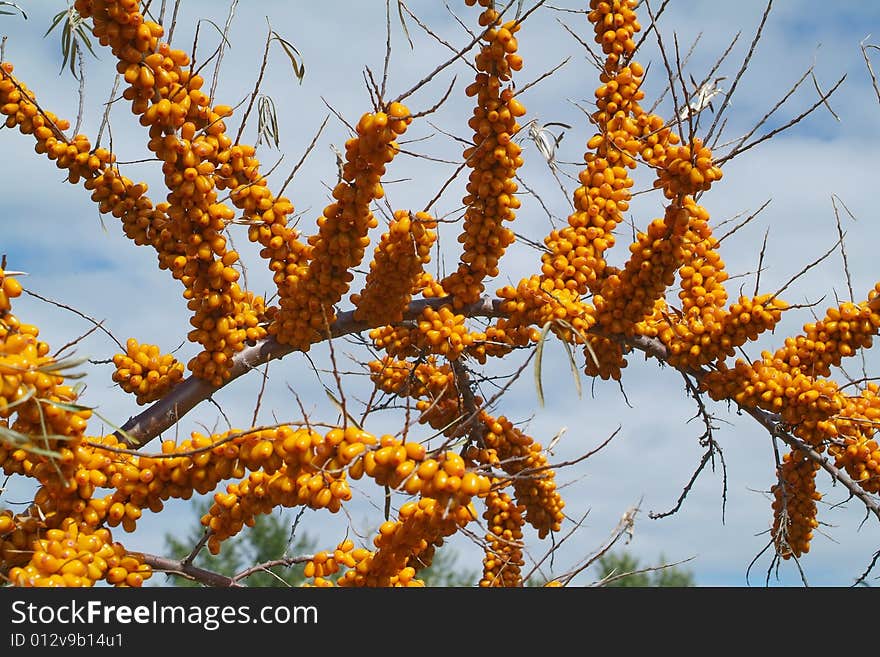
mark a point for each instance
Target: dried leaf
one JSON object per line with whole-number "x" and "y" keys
{"x": 403, "y": 23}
{"x": 299, "y": 67}
{"x": 267, "y": 128}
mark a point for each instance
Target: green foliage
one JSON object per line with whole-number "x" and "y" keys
{"x": 6, "y": 12}
{"x": 74, "y": 35}
{"x": 267, "y": 540}
{"x": 612, "y": 566}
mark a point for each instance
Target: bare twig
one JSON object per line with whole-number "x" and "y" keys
{"x": 744, "y": 222}
{"x": 94, "y": 321}
{"x": 256, "y": 90}
{"x": 807, "y": 268}
{"x": 222, "y": 49}
{"x": 741, "y": 72}
{"x": 864, "y": 49}
{"x": 188, "y": 570}
{"x": 304, "y": 155}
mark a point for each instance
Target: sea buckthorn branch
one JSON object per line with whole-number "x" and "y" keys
{"x": 807, "y": 431}
{"x": 339, "y": 245}
{"x": 145, "y": 224}
{"x": 166, "y": 412}
{"x": 493, "y": 158}
{"x": 190, "y": 571}
{"x": 114, "y": 193}
{"x": 56, "y": 541}
{"x": 184, "y": 133}
{"x": 788, "y": 391}
{"x": 403, "y": 547}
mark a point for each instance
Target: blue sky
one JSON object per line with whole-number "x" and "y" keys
{"x": 52, "y": 231}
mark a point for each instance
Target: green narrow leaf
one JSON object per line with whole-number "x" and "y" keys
{"x": 539, "y": 355}
{"x": 55, "y": 21}
{"x": 587, "y": 346}
{"x": 11, "y": 13}
{"x": 74, "y": 34}
{"x": 66, "y": 406}
{"x": 267, "y": 121}
{"x": 84, "y": 36}
{"x": 26, "y": 442}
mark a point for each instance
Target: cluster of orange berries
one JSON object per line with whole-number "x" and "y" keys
{"x": 534, "y": 482}
{"x": 576, "y": 253}
{"x": 114, "y": 192}
{"x": 494, "y": 159}
{"x": 69, "y": 556}
{"x": 443, "y": 331}
{"x": 405, "y": 466}
{"x": 629, "y": 295}
{"x": 701, "y": 273}
{"x": 841, "y": 333}
{"x": 32, "y": 389}
{"x": 397, "y": 341}
{"x": 17, "y": 104}
{"x": 17, "y": 535}
{"x": 615, "y": 23}
{"x": 536, "y": 302}
{"x": 502, "y": 337}
{"x": 431, "y": 385}
{"x": 604, "y": 357}
{"x": 288, "y": 468}
{"x": 794, "y": 505}
{"x": 699, "y": 341}
{"x": 395, "y": 271}
{"x": 403, "y": 547}
{"x": 503, "y": 560}
{"x": 145, "y": 372}
{"x": 688, "y": 169}
{"x": 770, "y": 384}
{"x": 189, "y": 137}
{"x": 307, "y": 311}
{"x": 56, "y": 542}
{"x": 407, "y": 544}
{"x": 325, "y": 563}
{"x": 539, "y": 301}
{"x": 400, "y": 377}
{"x": 857, "y": 450}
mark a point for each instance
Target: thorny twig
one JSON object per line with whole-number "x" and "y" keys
{"x": 222, "y": 49}
{"x": 740, "y": 73}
